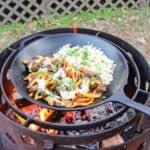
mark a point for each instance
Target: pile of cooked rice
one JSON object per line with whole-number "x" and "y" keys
{"x": 89, "y": 57}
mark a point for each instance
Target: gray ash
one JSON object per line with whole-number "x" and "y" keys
{"x": 102, "y": 111}
{"x": 98, "y": 113}
{"x": 104, "y": 127}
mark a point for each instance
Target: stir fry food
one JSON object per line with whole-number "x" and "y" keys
{"x": 60, "y": 83}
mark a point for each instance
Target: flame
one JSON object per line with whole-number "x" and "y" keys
{"x": 53, "y": 131}
{"x": 75, "y": 30}
{"x": 21, "y": 120}
{"x": 46, "y": 114}
{"x": 74, "y": 24}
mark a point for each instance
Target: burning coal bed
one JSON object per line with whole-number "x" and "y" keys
{"x": 62, "y": 117}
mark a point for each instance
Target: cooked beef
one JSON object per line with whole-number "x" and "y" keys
{"x": 101, "y": 88}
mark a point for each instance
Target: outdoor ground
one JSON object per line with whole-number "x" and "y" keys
{"x": 131, "y": 25}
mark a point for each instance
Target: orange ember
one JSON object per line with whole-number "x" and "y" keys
{"x": 10, "y": 89}
{"x": 43, "y": 114}
{"x": 69, "y": 117}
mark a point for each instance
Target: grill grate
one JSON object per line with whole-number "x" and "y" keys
{"x": 15, "y": 130}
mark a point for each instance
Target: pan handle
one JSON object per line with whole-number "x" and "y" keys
{"x": 123, "y": 99}
{"x": 145, "y": 93}
{"x": 31, "y": 38}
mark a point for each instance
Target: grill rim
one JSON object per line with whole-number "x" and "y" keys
{"x": 88, "y": 135}
{"x": 65, "y": 126}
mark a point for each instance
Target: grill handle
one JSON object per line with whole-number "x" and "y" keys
{"x": 32, "y": 38}
{"x": 123, "y": 99}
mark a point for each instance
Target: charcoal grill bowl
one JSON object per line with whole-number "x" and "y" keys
{"x": 82, "y": 125}
{"x": 15, "y": 130}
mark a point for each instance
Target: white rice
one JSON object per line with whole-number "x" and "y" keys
{"x": 90, "y": 58}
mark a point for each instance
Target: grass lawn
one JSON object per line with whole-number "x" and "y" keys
{"x": 131, "y": 25}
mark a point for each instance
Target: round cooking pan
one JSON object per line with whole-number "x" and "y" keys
{"x": 50, "y": 44}
{"x": 64, "y": 126}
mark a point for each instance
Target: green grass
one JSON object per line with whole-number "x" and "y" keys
{"x": 47, "y": 21}
{"x": 67, "y": 20}
{"x": 99, "y": 15}
{"x": 11, "y": 27}
{"x": 72, "y": 20}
